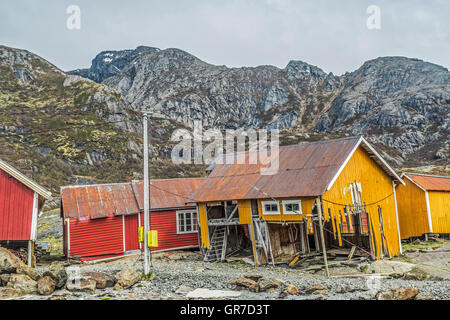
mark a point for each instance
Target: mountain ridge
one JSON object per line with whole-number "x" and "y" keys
{"x": 396, "y": 101}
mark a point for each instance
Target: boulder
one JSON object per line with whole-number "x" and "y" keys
{"x": 127, "y": 278}
{"x": 46, "y": 286}
{"x": 8, "y": 261}
{"x": 317, "y": 289}
{"x": 23, "y": 283}
{"x": 57, "y": 297}
{"x": 243, "y": 283}
{"x": 10, "y": 293}
{"x": 291, "y": 289}
{"x": 253, "y": 277}
{"x": 103, "y": 280}
{"x": 256, "y": 283}
{"x": 22, "y": 268}
{"x": 58, "y": 273}
{"x": 268, "y": 284}
{"x": 84, "y": 284}
{"x": 4, "y": 278}
{"x": 398, "y": 294}
{"x": 424, "y": 296}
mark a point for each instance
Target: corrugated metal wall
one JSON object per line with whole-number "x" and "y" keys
{"x": 16, "y": 209}
{"x": 440, "y": 211}
{"x": 98, "y": 239}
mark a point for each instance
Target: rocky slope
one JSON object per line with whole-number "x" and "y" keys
{"x": 61, "y": 129}
{"x": 400, "y": 104}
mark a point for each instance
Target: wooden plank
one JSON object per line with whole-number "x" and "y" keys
{"x": 352, "y": 252}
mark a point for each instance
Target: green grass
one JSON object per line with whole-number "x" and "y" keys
{"x": 426, "y": 245}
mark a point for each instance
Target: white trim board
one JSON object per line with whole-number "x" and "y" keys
{"x": 416, "y": 184}
{"x": 396, "y": 217}
{"x": 34, "y": 217}
{"x": 24, "y": 179}
{"x": 350, "y": 155}
{"x": 427, "y": 199}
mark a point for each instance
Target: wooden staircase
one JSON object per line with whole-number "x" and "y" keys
{"x": 218, "y": 245}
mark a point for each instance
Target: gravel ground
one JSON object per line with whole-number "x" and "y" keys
{"x": 186, "y": 269}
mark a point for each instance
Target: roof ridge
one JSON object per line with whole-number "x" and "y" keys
{"x": 426, "y": 175}
{"x": 94, "y": 185}
{"x": 25, "y": 180}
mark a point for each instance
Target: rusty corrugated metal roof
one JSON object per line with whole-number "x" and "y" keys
{"x": 167, "y": 193}
{"x": 305, "y": 170}
{"x": 429, "y": 182}
{"x": 98, "y": 201}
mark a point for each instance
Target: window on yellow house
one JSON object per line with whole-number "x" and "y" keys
{"x": 270, "y": 207}
{"x": 292, "y": 206}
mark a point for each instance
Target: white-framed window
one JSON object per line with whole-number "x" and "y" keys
{"x": 270, "y": 207}
{"x": 292, "y": 206}
{"x": 187, "y": 221}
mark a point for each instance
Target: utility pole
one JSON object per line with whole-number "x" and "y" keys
{"x": 146, "y": 198}
{"x": 324, "y": 250}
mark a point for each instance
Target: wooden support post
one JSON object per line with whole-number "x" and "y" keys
{"x": 305, "y": 223}
{"x": 30, "y": 253}
{"x": 324, "y": 249}
{"x": 302, "y": 237}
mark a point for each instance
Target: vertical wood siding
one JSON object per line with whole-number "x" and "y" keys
{"x": 440, "y": 211}
{"x": 245, "y": 212}
{"x": 412, "y": 210}
{"x": 16, "y": 209}
{"x": 376, "y": 185}
{"x": 203, "y": 225}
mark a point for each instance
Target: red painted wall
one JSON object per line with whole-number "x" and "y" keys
{"x": 131, "y": 233}
{"x": 165, "y": 222}
{"x": 97, "y": 239}
{"x": 103, "y": 238}
{"x": 16, "y": 209}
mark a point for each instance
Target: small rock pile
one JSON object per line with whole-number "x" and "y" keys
{"x": 256, "y": 283}
{"x": 17, "y": 279}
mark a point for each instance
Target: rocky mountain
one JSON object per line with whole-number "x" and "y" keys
{"x": 62, "y": 129}
{"x": 400, "y": 104}
{"x": 85, "y": 125}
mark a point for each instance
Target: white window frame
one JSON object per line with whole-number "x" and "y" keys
{"x": 270, "y": 213}
{"x": 285, "y": 202}
{"x": 192, "y": 212}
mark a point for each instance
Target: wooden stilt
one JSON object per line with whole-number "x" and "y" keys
{"x": 30, "y": 253}
{"x": 324, "y": 249}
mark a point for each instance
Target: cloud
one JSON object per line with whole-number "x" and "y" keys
{"x": 330, "y": 34}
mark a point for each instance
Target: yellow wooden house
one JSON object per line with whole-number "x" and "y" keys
{"x": 275, "y": 212}
{"x": 423, "y": 205}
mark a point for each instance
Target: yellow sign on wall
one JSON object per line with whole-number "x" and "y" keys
{"x": 153, "y": 238}
{"x": 141, "y": 234}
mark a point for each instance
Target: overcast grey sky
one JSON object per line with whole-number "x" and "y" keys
{"x": 330, "y": 34}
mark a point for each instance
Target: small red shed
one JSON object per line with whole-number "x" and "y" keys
{"x": 102, "y": 221}
{"x": 21, "y": 200}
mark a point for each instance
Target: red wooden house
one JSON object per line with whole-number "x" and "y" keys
{"x": 21, "y": 200}
{"x": 102, "y": 221}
